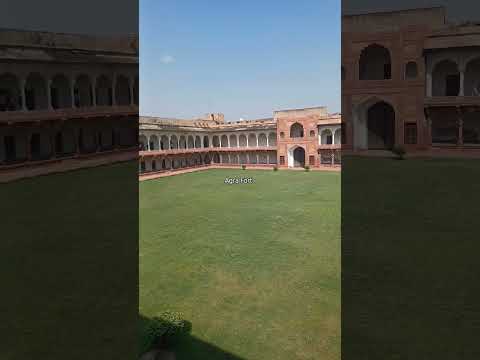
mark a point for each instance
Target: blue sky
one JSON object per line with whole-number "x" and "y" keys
{"x": 242, "y": 58}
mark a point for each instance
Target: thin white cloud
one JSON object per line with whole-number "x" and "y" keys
{"x": 167, "y": 59}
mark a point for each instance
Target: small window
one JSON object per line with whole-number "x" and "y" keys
{"x": 410, "y": 134}
{"x": 282, "y": 160}
{"x": 411, "y": 71}
{"x": 311, "y": 160}
{"x": 282, "y": 134}
{"x": 312, "y": 133}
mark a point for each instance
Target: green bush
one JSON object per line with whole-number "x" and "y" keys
{"x": 399, "y": 151}
{"x": 161, "y": 330}
{"x": 244, "y": 166}
{"x": 275, "y": 168}
{"x": 307, "y": 168}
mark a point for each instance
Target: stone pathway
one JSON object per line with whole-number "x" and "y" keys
{"x": 160, "y": 174}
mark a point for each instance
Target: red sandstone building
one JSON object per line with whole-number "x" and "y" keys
{"x": 410, "y": 78}
{"x": 292, "y": 138}
{"x": 66, "y": 101}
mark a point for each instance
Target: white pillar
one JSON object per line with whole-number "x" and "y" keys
{"x": 462, "y": 82}
{"x": 429, "y": 84}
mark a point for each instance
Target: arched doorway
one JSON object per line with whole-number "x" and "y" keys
{"x": 298, "y": 157}
{"x": 381, "y": 126}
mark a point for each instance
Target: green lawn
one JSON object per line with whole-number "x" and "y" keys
{"x": 69, "y": 269}
{"x": 410, "y": 249}
{"x": 255, "y": 267}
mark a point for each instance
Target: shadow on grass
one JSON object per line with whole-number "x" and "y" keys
{"x": 185, "y": 346}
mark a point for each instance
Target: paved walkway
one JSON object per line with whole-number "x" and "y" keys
{"x": 160, "y": 174}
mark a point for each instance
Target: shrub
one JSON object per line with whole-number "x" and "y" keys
{"x": 244, "y": 166}
{"x": 162, "y": 330}
{"x": 399, "y": 151}
{"x": 275, "y": 168}
{"x": 307, "y": 168}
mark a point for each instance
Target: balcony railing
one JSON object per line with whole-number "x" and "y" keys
{"x": 22, "y": 116}
{"x": 440, "y": 101}
{"x": 146, "y": 153}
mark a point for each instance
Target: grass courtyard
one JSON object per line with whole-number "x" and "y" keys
{"x": 254, "y": 267}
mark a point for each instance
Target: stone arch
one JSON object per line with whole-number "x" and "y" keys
{"x": 10, "y": 99}
{"x": 122, "y": 90}
{"x": 224, "y": 141}
{"x": 164, "y": 143}
{"x": 182, "y": 142}
{"x": 60, "y": 92}
{"x": 234, "y": 158}
{"x": 206, "y": 141}
{"x": 215, "y": 141}
{"x": 381, "y": 126}
{"x": 198, "y": 142}
{"x": 252, "y": 140}
{"x": 472, "y": 78}
{"x": 337, "y": 136}
{"x": 103, "y": 91}
{"x": 296, "y": 156}
{"x": 375, "y": 63}
{"x": 296, "y": 130}
{"x": 242, "y": 140}
{"x": 262, "y": 140}
{"x": 190, "y": 142}
{"x": 446, "y": 78}
{"x": 272, "y": 139}
{"x": 216, "y": 158}
{"x": 411, "y": 70}
{"x": 82, "y": 91}
{"x": 154, "y": 143}
{"x": 143, "y": 142}
{"x": 233, "y": 141}
{"x": 360, "y": 121}
{"x": 173, "y": 142}
{"x": 326, "y": 137}
{"x": 36, "y": 96}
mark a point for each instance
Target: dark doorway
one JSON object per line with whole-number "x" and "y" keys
{"x": 452, "y": 84}
{"x": 381, "y": 126}
{"x": 299, "y": 157}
